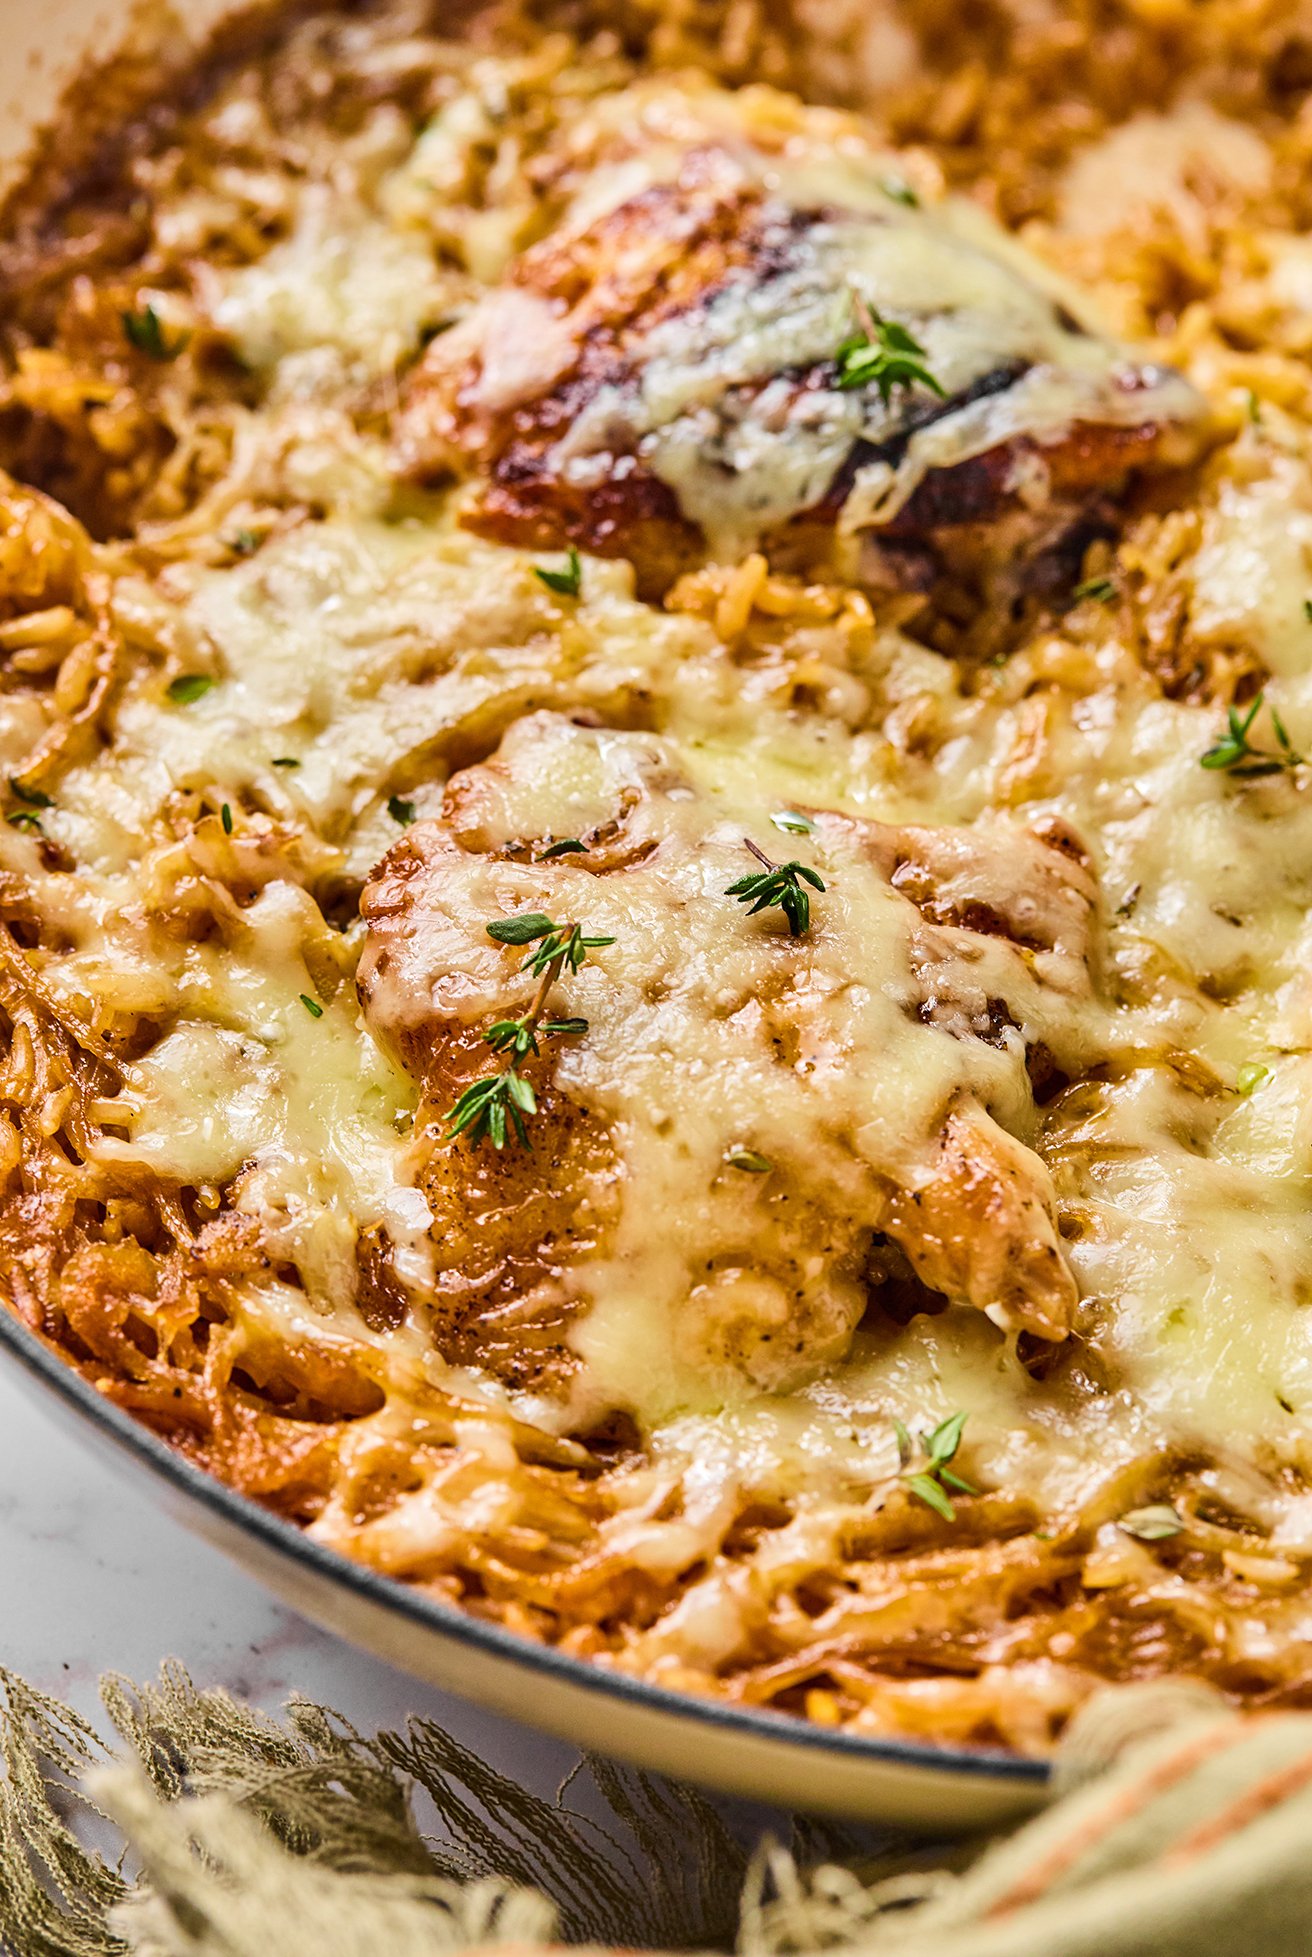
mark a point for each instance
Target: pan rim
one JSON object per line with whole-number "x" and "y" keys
{"x": 798, "y": 1735}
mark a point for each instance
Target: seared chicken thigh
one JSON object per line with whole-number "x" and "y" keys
{"x": 734, "y": 337}
{"x": 735, "y": 1112}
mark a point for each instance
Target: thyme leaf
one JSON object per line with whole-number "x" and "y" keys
{"x": 521, "y": 1035}
{"x": 748, "y": 1161}
{"x": 35, "y": 798}
{"x": 144, "y": 330}
{"x": 883, "y": 355}
{"x": 931, "y": 1482}
{"x": 929, "y": 1492}
{"x": 569, "y": 582}
{"x": 781, "y": 884}
{"x": 492, "y": 1106}
{"x": 1236, "y": 755}
{"x": 188, "y": 687}
{"x": 557, "y": 943}
{"x": 521, "y": 930}
{"x": 400, "y": 810}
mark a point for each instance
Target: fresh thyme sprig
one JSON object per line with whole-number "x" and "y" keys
{"x": 495, "y": 1106}
{"x": 521, "y": 1035}
{"x": 884, "y": 355}
{"x": 490, "y": 1106}
{"x": 1236, "y": 755}
{"x": 778, "y": 883}
{"x": 931, "y": 1483}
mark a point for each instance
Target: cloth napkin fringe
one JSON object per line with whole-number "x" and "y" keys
{"x": 211, "y": 1830}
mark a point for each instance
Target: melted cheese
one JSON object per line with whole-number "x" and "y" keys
{"x": 381, "y": 655}
{"x": 359, "y": 646}
{"x": 715, "y": 411}
{"x": 1161, "y": 164}
{"x": 344, "y": 292}
{"x": 1252, "y": 576}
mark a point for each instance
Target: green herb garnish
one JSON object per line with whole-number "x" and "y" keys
{"x": 284, "y": 761}
{"x": 35, "y": 798}
{"x": 521, "y": 930}
{"x": 1236, "y": 754}
{"x": 563, "y": 942}
{"x": 312, "y": 1006}
{"x": 792, "y": 823}
{"x": 567, "y": 846}
{"x": 245, "y": 542}
{"x": 520, "y": 1036}
{"x": 145, "y": 331}
{"x": 225, "y": 817}
{"x": 24, "y": 819}
{"x": 495, "y": 1106}
{"x": 901, "y": 192}
{"x": 569, "y": 583}
{"x": 486, "y": 1106}
{"x": 188, "y": 687}
{"x": 1101, "y": 589}
{"x": 400, "y": 811}
{"x": 748, "y": 1161}
{"x": 883, "y": 355}
{"x": 1250, "y": 1077}
{"x": 778, "y": 883}
{"x": 931, "y": 1483}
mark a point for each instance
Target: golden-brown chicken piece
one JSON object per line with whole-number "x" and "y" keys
{"x": 726, "y": 343}
{"x": 732, "y": 1113}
